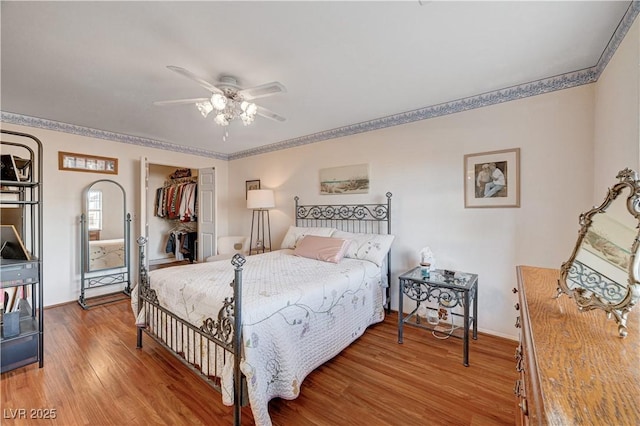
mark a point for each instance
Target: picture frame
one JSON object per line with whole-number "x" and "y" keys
{"x": 11, "y": 245}
{"x": 71, "y": 161}
{"x": 492, "y": 179}
{"x": 14, "y": 168}
{"x": 250, "y": 185}
{"x": 344, "y": 180}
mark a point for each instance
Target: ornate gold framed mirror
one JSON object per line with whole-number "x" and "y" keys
{"x": 602, "y": 272}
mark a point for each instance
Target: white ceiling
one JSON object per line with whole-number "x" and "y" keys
{"x": 100, "y": 65}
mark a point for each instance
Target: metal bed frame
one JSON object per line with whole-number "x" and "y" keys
{"x": 218, "y": 334}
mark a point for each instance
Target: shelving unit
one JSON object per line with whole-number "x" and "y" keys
{"x": 21, "y": 337}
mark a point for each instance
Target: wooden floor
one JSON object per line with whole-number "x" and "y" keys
{"x": 168, "y": 264}
{"x": 94, "y": 375}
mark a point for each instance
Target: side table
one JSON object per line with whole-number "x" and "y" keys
{"x": 461, "y": 289}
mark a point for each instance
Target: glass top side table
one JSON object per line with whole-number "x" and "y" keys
{"x": 450, "y": 291}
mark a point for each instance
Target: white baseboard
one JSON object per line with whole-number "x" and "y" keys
{"x": 162, "y": 261}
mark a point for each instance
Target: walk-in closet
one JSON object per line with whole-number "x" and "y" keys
{"x": 179, "y": 209}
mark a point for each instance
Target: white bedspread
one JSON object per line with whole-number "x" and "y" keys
{"x": 297, "y": 314}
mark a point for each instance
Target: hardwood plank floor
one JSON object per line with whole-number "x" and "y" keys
{"x": 168, "y": 264}
{"x": 94, "y": 375}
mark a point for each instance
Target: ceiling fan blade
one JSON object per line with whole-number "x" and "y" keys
{"x": 210, "y": 87}
{"x": 180, "y": 101}
{"x": 262, "y": 111}
{"x": 263, "y": 90}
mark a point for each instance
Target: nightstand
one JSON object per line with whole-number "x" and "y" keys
{"x": 450, "y": 291}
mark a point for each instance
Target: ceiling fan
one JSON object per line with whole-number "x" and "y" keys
{"x": 228, "y": 101}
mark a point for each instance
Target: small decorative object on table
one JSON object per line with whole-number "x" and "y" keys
{"x": 448, "y": 275}
{"x": 425, "y": 269}
{"x": 427, "y": 262}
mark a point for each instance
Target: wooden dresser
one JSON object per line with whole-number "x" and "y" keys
{"x": 574, "y": 369}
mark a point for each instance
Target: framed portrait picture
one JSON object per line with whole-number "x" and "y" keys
{"x": 250, "y": 185}
{"x": 492, "y": 179}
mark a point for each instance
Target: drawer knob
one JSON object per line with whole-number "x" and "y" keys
{"x": 518, "y": 358}
{"x": 518, "y": 322}
{"x": 523, "y": 406}
{"x": 515, "y": 290}
{"x": 517, "y": 387}
{"x": 517, "y": 306}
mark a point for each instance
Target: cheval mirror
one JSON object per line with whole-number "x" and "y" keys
{"x": 602, "y": 272}
{"x": 104, "y": 248}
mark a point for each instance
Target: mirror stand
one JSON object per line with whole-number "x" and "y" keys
{"x": 602, "y": 272}
{"x": 105, "y": 229}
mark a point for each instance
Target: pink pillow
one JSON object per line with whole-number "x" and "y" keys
{"x": 326, "y": 249}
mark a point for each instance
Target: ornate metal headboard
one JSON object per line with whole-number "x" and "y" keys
{"x": 359, "y": 218}
{"x": 364, "y": 218}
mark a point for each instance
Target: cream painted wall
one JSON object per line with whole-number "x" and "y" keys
{"x": 617, "y": 115}
{"x": 62, "y": 201}
{"x": 559, "y": 134}
{"x": 422, "y": 165}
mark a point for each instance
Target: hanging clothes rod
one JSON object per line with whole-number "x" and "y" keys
{"x": 188, "y": 179}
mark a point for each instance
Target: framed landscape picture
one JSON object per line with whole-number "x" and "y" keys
{"x": 345, "y": 180}
{"x": 492, "y": 179}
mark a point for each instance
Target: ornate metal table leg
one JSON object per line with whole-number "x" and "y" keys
{"x": 465, "y": 338}
{"x": 400, "y": 313}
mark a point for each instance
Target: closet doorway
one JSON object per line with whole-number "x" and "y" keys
{"x": 158, "y": 229}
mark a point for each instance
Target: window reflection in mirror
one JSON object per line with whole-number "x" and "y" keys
{"x": 94, "y": 210}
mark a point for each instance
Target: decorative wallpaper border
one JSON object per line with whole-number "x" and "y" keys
{"x": 41, "y": 123}
{"x": 560, "y": 82}
{"x": 618, "y": 36}
{"x": 539, "y": 87}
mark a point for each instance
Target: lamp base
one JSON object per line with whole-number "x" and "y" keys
{"x": 260, "y": 241}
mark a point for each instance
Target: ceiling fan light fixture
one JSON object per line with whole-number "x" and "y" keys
{"x": 221, "y": 119}
{"x": 229, "y": 102}
{"x": 205, "y": 108}
{"x": 247, "y": 119}
{"x": 249, "y": 108}
{"x": 219, "y": 101}
{"x": 249, "y": 111}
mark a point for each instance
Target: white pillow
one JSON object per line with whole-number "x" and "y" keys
{"x": 326, "y": 249}
{"x": 296, "y": 233}
{"x": 371, "y": 247}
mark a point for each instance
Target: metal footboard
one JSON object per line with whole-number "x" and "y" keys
{"x": 217, "y": 335}
{"x": 205, "y": 349}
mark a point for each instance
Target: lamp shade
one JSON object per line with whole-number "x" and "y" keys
{"x": 260, "y": 199}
